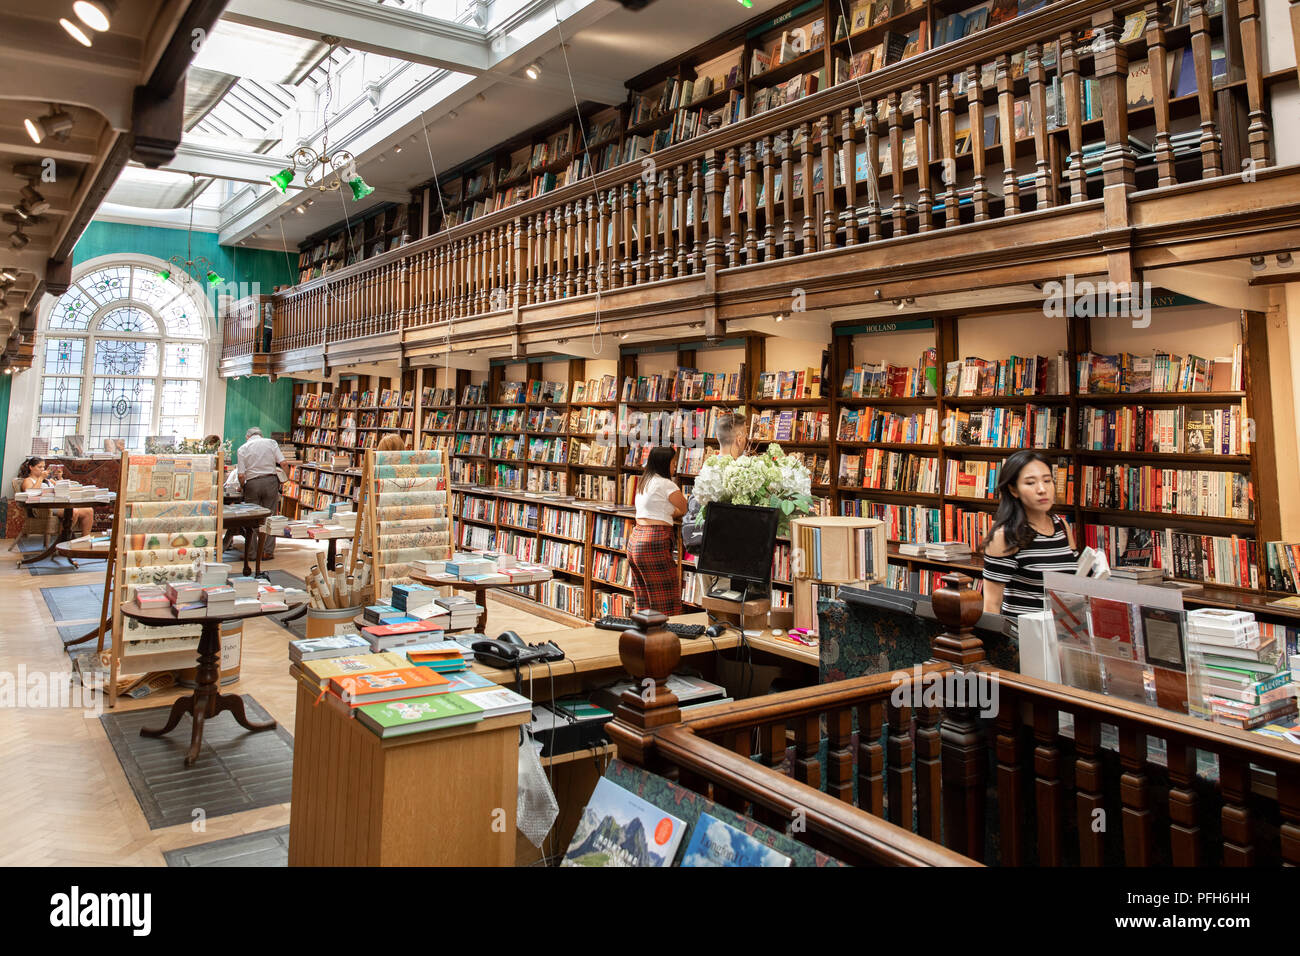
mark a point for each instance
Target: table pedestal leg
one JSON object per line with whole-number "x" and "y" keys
{"x": 65, "y": 534}
{"x": 234, "y": 705}
{"x": 180, "y": 708}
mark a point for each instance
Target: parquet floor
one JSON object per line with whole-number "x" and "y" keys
{"x": 64, "y": 800}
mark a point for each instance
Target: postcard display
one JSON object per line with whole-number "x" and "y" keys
{"x": 169, "y": 513}
{"x": 1124, "y": 640}
{"x": 406, "y": 514}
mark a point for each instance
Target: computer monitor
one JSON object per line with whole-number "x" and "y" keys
{"x": 738, "y": 542}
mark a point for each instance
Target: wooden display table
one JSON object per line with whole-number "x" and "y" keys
{"x": 247, "y": 520}
{"x": 205, "y": 702}
{"x": 440, "y": 798}
{"x": 88, "y": 548}
{"x": 65, "y": 508}
{"x": 479, "y": 590}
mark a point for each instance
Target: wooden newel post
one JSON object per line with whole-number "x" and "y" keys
{"x": 649, "y": 654}
{"x": 958, "y": 606}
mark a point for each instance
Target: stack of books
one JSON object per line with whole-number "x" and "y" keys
{"x": 462, "y": 610}
{"x": 212, "y": 573}
{"x": 948, "y": 551}
{"x": 384, "y": 614}
{"x": 1137, "y": 575}
{"x": 274, "y": 525}
{"x": 219, "y": 598}
{"x": 1245, "y": 676}
{"x": 383, "y": 637}
{"x": 149, "y": 596}
{"x": 324, "y": 648}
{"x": 186, "y": 599}
{"x": 464, "y": 565}
{"x": 298, "y": 529}
{"x": 416, "y": 601}
{"x": 445, "y": 657}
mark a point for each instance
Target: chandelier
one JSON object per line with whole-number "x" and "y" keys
{"x": 324, "y": 170}
{"x": 200, "y": 269}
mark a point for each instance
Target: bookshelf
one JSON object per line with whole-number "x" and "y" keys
{"x": 387, "y": 228}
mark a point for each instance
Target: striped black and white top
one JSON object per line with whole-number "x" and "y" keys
{"x": 1022, "y": 572}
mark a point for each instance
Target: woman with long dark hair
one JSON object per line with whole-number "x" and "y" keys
{"x": 659, "y": 502}
{"x": 1027, "y": 539}
{"x": 33, "y": 473}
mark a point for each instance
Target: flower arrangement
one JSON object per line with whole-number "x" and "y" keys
{"x": 772, "y": 479}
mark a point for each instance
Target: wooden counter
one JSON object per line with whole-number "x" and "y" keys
{"x": 440, "y": 798}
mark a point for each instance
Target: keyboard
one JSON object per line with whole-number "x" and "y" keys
{"x": 610, "y": 623}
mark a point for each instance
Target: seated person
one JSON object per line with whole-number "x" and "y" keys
{"x": 35, "y": 474}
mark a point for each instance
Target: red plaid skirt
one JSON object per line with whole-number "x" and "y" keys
{"x": 654, "y": 569}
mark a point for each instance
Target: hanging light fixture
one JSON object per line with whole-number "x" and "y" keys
{"x": 324, "y": 171}
{"x": 197, "y": 268}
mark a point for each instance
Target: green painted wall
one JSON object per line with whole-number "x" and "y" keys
{"x": 5, "y": 382}
{"x": 252, "y": 400}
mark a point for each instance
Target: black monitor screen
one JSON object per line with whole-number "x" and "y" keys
{"x": 738, "y": 541}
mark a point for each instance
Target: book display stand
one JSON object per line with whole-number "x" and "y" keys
{"x": 168, "y": 522}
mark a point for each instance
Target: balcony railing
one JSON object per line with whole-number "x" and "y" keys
{"x": 242, "y": 327}
{"x": 1025, "y": 117}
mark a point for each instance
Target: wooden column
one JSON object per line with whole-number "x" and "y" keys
{"x": 1011, "y": 807}
{"x": 1135, "y": 796}
{"x": 849, "y": 160}
{"x": 1007, "y": 133}
{"x": 1089, "y": 798}
{"x": 734, "y": 236}
{"x": 948, "y": 140}
{"x": 1234, "y": 781}
{"x": 714, "y": 247}
{"x": 829, "y": 218}
{"x": 872, "y": 185}
{"x": 898, "y": 765}
{"x": 1158, "y": 59}
{"x": 896, "y": 165}
{"x": 680, "y": 227}
{"x": 1211, "y": 147}
{"x": 1258, "y": 132}
{"x": 629, "y": 212}
{"x": 769, "y": 199}
{"x": 697, "y": 217}
{"x": 871, "y": 757}
{"x": 1044, "y": 198}
{"x": 787, "y": 193}
{"x": 1184, "y": 830}
{"x": 975, "y": 99}
{"x": 748, "y": 159}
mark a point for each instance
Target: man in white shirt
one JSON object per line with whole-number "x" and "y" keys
{"x": 259, "y": 462}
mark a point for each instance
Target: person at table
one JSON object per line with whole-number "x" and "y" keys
{"x": 659, "y": 502}
{"x": 34, "y": 473}
{"x": 1027, "y": 539}
{"x": 258, "y": 466}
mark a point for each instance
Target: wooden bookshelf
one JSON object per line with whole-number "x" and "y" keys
{"x": 383, "y": 229}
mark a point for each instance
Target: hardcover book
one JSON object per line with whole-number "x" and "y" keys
{"x": 619, "y": 829}
{"x": 393, "y": 718}
{"x": 714, "y": 843}
{"x": 385, "y": 685}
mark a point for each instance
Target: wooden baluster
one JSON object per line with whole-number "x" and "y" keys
{"x": 438, "y": 288}
{"x": 839, "y": 754}
{"x": 1011, "y": 809}
{"x": 1047, "y": 784}
{"x": 448, "y": 284}
{"x": 809, "y": 194}
{"x": 898, "y": 765}
{"x": 652, "y": 227}
{"x": 929, "y": 774}
{"x": 1072, "y": 91}
{"x": 587, "y": 245}
{"x": 948, "y": 146}
{"x": 807, "y": 741}
{"x": 1288, "y": 802}
{"x": 715, "y": 246}
{"x": 598, "y": 228}
{"x": 768, "y": 157}
{"x": 787, "y": 193}
{"x": 871, "y": 757}
{"x": 1184, "y": 830}
{"x": 549, "y": 254}
{"x": 1258, "y": 133}
{"x": 458, "y": 282}
{"x": 1118, "y": 161}
{"x": 734, "y": 236}
{"x": 668, "y": 197}
{"x": 1211, "y": 148}
{"x": 1043, "y": 194}
{"x": 580, "y": 247}
{"x": 896, "y": 164}
{"x": 697, "y": 213}
{"x": 615, "y": 279}
{"x": 520, "y": 244}
{"x": 1089, "y": 799}
{"x": 1135, "y": 796}
{"x": 975, "y": 99}
{"x": 682, "y": 198}
{"x": 1234, "y": 782}
{"x": 738, "y": 742}
{"x": 849, "y": 160}
{"x": 771, "y": 749}
{"x": 1007, "y": 134}
{"x": 872, "y": 184}
{"x": 1158, "y": 58}
{"x": 921, "y": 130}
{"x": 748, "y": 160}
{"x": 830, "y": 214}
{"x": 642, "y": 233}
{"x": 570, "y": 262}
{"x": 629, "y": 262}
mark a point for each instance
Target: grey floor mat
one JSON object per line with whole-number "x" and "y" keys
{"x": 264, "y": 848}
{"x": 236, "y": 770}
{"x": 76, "y": 602}
{"x": 298, "y": 626}
{"x": 62, "y": 567}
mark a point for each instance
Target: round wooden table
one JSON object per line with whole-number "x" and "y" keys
{"x": 205, "y": 702}
{"x": 247, "y": 520}
{"x": 65, "y": 521}
{"x": 83, "y": 548}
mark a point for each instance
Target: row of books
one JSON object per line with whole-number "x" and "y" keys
{"x": 1176, "y": 430}
{"x": 684, "y": 384}
{"x": 1031, "y": 427}
{"x": 886, "y": 380}
{"x": 890, "y": 471}
{"x": 1214, "y": 559}
{"x": 876, "y": 425}
{"x": 593, "y": 454}
{"x": 432, "y": 397}
{"x": 1193, "y": 492}
{"x": 475, "y": 420}
{"x": 1016, "y": 375}
{"x": 791, "y": 426}
{"x": 1159, "y": 372}
{"x": 604, "y": 389}
{"x": 794, "y": 384}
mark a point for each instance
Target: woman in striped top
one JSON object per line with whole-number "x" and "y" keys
{"x": 1027, "y": 539}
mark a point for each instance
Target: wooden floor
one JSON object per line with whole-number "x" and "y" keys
{"x": 64, "y": 800}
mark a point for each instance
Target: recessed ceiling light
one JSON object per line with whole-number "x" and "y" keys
{"x": 397, "y": 148}
{"x": 533, "y": 70}
{"x": 74, "y": 31}
{"x": 95, "y": 14}
{"x": 302, "y": 210}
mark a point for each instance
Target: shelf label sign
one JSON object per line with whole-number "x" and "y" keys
{"x": 878, "y": 328}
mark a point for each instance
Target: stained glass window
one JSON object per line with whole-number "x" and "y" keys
{"x": 111, "y": 369}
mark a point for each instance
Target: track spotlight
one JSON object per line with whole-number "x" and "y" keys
{"x": 1284, "y": 260}
{"x": 96, "y": 14}
{"x": 302, "y": 210}
{"x": 8, "y": 276}
{"x": 533, "y": 70}
{"x": 74, "y": 31}
{"x": 18, "y": 240}
{"x": 397, "y": 148}
{"x": 34, "y": 201}
{"x": 56, "y": 123}
{"x": 1257, "y": 263}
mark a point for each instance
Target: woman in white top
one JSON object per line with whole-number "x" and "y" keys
{"x": 659, "y": 502}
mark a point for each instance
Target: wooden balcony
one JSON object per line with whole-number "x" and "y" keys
{"x": 904, "y": 777}
{"x": 709, "y": 231}
{"x": 244, "y": 343}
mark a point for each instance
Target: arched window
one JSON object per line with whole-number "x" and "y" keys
{"x": 123, "y": 358}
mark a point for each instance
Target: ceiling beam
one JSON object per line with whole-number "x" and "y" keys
{"x": 213, "y": 161}
{"x": 375, "y": 28}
